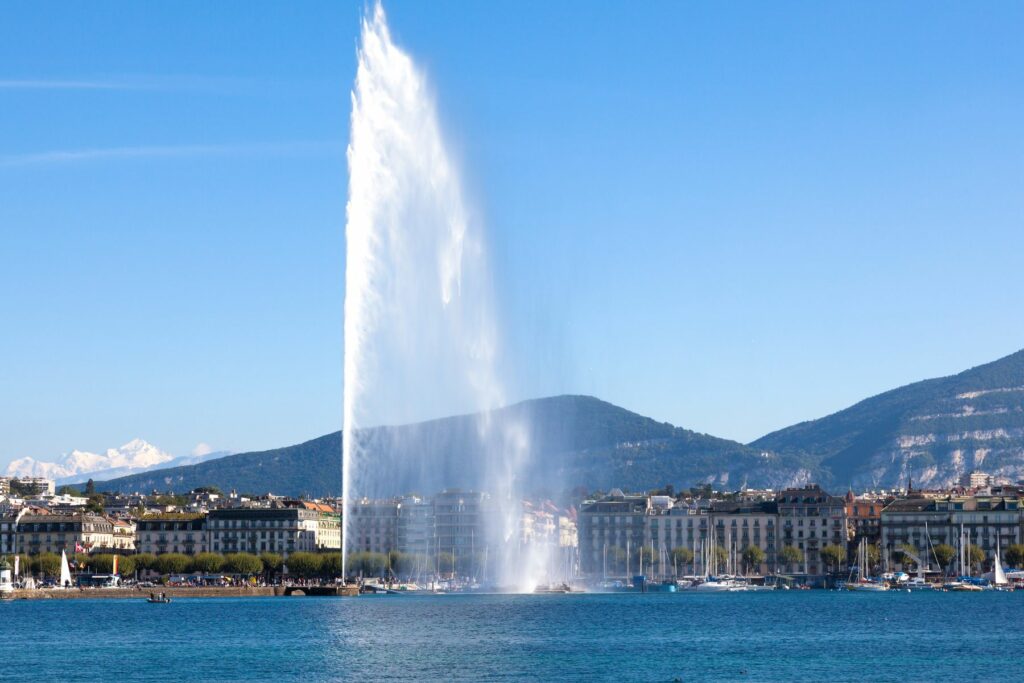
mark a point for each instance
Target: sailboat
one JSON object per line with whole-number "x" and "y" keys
{"x": 997, "y": 576}
{"x": 863, "y": 583}
{"x": 960, "y": 584}
{"x": 711, "y": 583}
{"x": 6, "y": 585}
{"x": 65, "y": 570}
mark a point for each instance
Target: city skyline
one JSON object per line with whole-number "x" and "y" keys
{"x": 731, "y": 220}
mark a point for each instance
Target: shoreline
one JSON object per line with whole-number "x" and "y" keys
{"x": 129, "y": 593}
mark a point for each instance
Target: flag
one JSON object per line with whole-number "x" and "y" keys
{"x": 114, "y": 569}
{"x": 17, "y": 565}
{"x": 79, "y": 548}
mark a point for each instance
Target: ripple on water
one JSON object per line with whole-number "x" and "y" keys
{"x": 791, "y": 636}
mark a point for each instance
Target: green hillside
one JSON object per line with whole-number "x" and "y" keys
{"x": 575, "y": 441}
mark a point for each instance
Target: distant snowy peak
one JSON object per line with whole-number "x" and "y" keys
{"x": 135, "y": 456}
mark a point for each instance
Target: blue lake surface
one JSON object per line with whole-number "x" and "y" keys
{"x": 780, "y": 636}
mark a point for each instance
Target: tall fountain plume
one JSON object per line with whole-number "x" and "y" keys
{"x": 421, "y": 338}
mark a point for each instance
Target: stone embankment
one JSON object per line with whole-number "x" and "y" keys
{"x": 348, "y": 590}
{"x": 142, "y": 593}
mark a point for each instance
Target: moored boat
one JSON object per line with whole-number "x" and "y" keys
{"x": 6, "y": 585}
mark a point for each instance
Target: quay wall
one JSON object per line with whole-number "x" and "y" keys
{"x": 139, "y": 594}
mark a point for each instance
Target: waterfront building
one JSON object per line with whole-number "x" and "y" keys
{"x": 254, "y": 530}
{"x": 616, "y": 530}
{"x": 171, "y": 532}
{"x": 608, "y": 527}
{"x": 373, "y": 526}
{"x": 669, "y": 525}
{"x": 9, "y": 531}
{"x": 414, "y": 531}
{"x": 864, "y": 519}
{"x": 80, "y": 532}
{"x": 987, "y": 521}
{"x": 810, "y": 519}
{"x": 568, "y": 536}
{"x": 460, "y": 526}
{"x": 124, "y": 535}
{"x": 741, "y": 524}
{"x": 5, "y": 486}
{"x": 328, "y": 527}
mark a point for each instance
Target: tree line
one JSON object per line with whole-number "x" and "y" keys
{"x": 268, "y": 564}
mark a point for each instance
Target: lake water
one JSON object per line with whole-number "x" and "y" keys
{"x": 779, "y": 636}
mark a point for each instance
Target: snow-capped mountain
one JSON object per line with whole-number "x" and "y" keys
{"x": 135, "y": 456}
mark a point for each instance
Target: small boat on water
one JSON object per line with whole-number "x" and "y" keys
{"x": 161, "y": 599}
{"x": 867, "y": 586}
{"x": 713, "y": 585}
{"x": 553, "y": 588}
{"x": 966, "y": 588}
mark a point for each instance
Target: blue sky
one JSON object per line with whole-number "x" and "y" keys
{"x": 730, "y": 217}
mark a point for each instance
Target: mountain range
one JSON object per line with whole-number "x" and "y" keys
{"x": 937, "y": 430}
{"x": 135, "y": 456}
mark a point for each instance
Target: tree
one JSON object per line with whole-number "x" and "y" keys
{"x": 374, "y": 564}
{"x": 402, "y": 564}
{"x": 944, "y": 554}
{"x": 330, "y": 565}
{"x": 245, "y": 564}
{"x": 681, "y": 557}
{"x": 207, "y": 563}
{"x": 753, "y": 556}
{"x": 145, "y": 561}
{"x": 208, "y": 489}
{"x": 791, "y": 556}
{"x": 1015, "y": 555}
{"x": 616, "y": 559}
{"x": 646, "y": 558}
{"x": 171, "y": 499}
{"x": 90, "y": 487}
{"x": 975, "y": 555}
{"x": 303, "y": 564}
{"x": 908, "y": 552}
{"x": 874, "y": 555}
{"x": 96, "y": 503}
{"x": 272, "y": 563}
{"x": 833, "y": 556}
{"x": 47, "y": 564}
{"x": 445, "y": 563}
{"x": 172, "y": 563}
{"x": 126, "y": 565}
{"x": 721, "y": 557}
{"x": 101, "y": 564}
